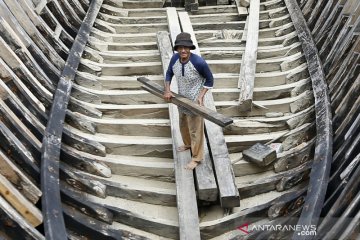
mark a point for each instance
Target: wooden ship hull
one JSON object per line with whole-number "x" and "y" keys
{"x": 87, "y": 153}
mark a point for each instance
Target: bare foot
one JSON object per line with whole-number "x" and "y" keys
{"x": 183, "y": 148}
{"x": 191, "y": 165}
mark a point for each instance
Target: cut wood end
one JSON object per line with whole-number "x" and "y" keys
{"x": 245, "y": 105}
{"x": 245, "y": 3}
{"x": 230, "y": 201}
{"x": 143, "y": 79}
{"x": 260, "y": 154}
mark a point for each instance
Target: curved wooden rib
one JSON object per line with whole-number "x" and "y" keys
{"x": 52, "y": 209}
{"x": 323, "y": 149}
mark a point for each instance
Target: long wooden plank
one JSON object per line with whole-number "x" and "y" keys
{"x": 179, "y": 100}
{"x": 323, "y": 150}
{"x": 248, "y": 66}
{"x": 185, "y": 187}
{"x": 229, "y": 194}
{"x": 51, "y": 202}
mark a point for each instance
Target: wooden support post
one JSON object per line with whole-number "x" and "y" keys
{"x": 248, "y": 66}
{"x": 229, "y": 194}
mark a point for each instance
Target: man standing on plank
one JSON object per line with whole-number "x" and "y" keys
{"x": 194, "y": 80}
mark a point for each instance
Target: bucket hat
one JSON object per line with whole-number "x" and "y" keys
{"x": 184, "y": 39}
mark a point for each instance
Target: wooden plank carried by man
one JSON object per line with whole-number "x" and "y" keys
{"x": 179, "y": 100}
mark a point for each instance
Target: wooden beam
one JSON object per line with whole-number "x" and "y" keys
{"x": 323, "y": 150}
{"x": 52, "y": 208}
{"x": 18, "y": 178}
{"x": 185, "y": 188}
{"x": 19, "y": 202}
{"x": 20, "y": 228}
{"x": 248, "y": 66}
{"x": 229, "y": 194}
{"x": 179, "y": 100}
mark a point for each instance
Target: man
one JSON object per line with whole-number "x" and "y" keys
{"x": 194, "y": 79}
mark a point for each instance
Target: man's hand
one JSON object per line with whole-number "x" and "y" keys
{"x": 168, "y": 95}
{"x": 200, "y": 100}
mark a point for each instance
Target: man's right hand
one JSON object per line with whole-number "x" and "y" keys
{"x": 168, "y": 95}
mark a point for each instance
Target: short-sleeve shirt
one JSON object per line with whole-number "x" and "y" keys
{"x": 191, "y": 76}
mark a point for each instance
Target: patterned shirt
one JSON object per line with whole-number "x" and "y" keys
{"x": 191, "y": 76}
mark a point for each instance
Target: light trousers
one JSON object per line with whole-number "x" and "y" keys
{"x": 192, "y": 133}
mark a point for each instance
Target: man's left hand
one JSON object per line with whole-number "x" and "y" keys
{"x": 201, "y": 100}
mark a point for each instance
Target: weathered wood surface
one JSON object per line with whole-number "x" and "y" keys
{"x": 207, "y": 113}
{"x": 260, "y": 154}
{"x": 20, "y": 154}
{"x": 342, "y": 202}
{"x": 346, "y": 30}
{"x": 20, "y": 203}
{"x": 81, "y": 201}
{"x": 248, "y": 65}
{"x": 88, "y": 227}
{"x": 19, "y": 179}
{"x": 322, "y": 159}
{"x": 69, "y": 154}
{"x": 352, "y": 228}
{"x": 7, "y": 167}
{"x": 211, "y": 228}
{"x": 18, "y": 228}
{"x": 13, "y": 22}
{"x": 51, "y": 201}
{"x": 229, "y": 195}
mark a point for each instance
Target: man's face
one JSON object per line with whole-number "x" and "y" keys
{"x": 184, "y": 52}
